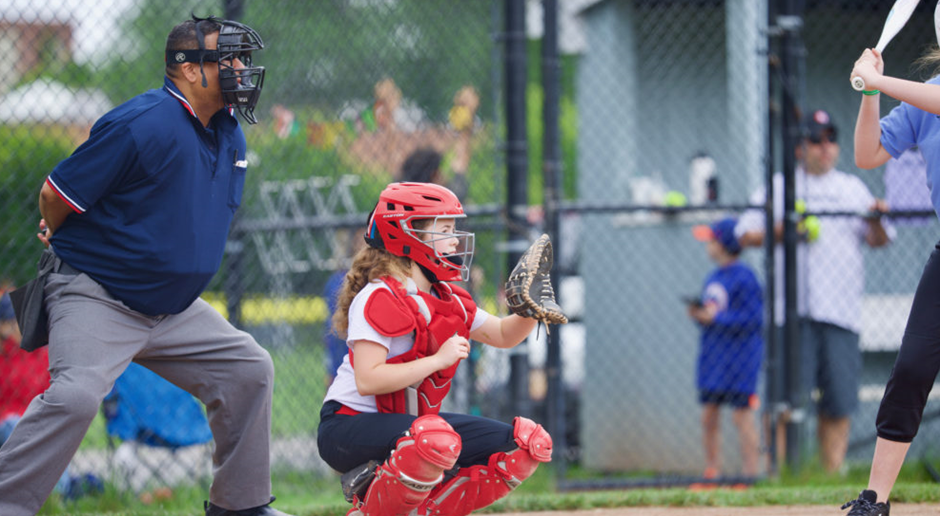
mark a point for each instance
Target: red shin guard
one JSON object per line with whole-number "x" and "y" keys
{"x": 478, "y": 486}
{"x": 415, "y": 467}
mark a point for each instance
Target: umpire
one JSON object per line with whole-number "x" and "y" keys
{"x": 137, "y": 218}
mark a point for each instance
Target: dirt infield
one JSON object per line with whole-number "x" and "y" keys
{"x": 788, "y": 510}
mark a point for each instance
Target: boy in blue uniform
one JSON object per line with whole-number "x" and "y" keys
{"x": 730, "y": 313}
{"x": 137, "y": 218}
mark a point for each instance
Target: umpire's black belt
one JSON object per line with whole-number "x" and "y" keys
{"x": 64, "y": 268}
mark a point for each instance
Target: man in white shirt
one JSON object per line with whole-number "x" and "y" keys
{"x": 907, "y": 188}
{"x": 830, "y": 276}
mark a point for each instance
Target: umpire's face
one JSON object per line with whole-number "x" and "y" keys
{"x": 211, "y": 94}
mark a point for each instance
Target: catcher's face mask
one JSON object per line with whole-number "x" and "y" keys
{"x": 394, "y": 227}
{"x": 240, "y": 81}
{"x": 447, "y": 263}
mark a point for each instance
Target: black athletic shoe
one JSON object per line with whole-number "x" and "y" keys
{"x": 866, "y": 505}
{"x": 264, "y": 510}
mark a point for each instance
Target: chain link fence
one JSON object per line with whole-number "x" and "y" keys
{"x": 681, "y": 122}
{"x": 669, "y": 119}
{"x": 353, "y": 88}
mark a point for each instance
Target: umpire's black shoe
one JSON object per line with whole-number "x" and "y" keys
{"x": 866, "y": 505}
{"x": 264, "y": 510}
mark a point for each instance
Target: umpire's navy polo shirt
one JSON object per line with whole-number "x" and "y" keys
{"x": 153, "y": 194}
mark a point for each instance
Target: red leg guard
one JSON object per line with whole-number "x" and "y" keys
{"x": 530, "y": 436}
{"x": 415, "y": 467}
{"x": 478, "y": 486}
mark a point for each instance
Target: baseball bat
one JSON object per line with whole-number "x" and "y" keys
{"x": 900, "y": 12}
{"x": 936, "y": 21}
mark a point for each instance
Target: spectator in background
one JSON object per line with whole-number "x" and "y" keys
{"x": 336, "y": 348}
{"x": 23, "y": 376}
{"x": 906, "y": 186}
{"x": 830, "y": 277}
{"x": 424, "y": 166}
{"x": 393, "y": 127}
{"x": 730, "y": 314}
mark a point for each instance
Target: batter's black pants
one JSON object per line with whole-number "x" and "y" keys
{"x": 918, "y": 362}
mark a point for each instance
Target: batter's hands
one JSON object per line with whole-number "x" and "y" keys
{"x": 453, "y": 350}
{"x": 870, "y": 67}
{"x": 44, "y": 233}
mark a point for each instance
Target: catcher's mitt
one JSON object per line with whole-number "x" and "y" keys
{"x": 529, "y": 290}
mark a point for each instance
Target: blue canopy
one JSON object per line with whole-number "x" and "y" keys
{"x": 144, "y": 407}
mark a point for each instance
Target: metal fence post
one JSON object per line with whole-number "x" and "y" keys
{"x": 792, "y": 66}
{"x": 517, "y": 165}
{"x": 551, "y": 171}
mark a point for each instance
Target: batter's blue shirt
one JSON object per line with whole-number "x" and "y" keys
{"x": 906, "y": 126}
{"x": 153, "y": 193}
{"x": 732, "y": 346}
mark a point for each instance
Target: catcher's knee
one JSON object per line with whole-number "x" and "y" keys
{"x": 535, "y": 446}
{"x": 414, "y": 468}
{"x": 532, "y": 437}
{"x": 479, "y": 486}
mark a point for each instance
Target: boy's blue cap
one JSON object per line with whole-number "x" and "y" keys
{"x": 721, "y": 231}
{"x": 6, "y": 308}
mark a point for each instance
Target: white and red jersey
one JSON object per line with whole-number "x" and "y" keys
{"x": 393, "y": 319}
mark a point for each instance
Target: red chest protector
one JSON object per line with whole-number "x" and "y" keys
{"x": 433, "y": 320}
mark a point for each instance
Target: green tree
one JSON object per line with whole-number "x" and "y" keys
{"x": 28, "y": 153}
{"x": 327, "y": 52}
{"x": 136, "y": 63}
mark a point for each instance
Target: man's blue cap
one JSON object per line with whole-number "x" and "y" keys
{"x": 6, "y": 308}
{"x": 721, "y": 231}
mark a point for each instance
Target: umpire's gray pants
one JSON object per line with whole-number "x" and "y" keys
{"x": 92, "y": 339}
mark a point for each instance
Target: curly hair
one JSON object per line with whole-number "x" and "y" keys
{"x": 369, "y": 264}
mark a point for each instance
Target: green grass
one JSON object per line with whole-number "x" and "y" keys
{"x": 680, "y": 497}
{"x": 298, "y": 393}
{"x": 305, "y": 494}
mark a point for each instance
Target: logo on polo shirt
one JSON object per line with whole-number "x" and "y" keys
{"x": 180, "y": 57}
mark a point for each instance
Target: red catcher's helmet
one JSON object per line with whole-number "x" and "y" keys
{"x": 391, "y": 227}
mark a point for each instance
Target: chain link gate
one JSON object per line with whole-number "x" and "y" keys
{"x": 680, "y": 124}
{"x": 664, "y": 123}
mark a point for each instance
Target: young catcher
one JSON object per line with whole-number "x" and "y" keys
{"x": 407, "y": 329}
